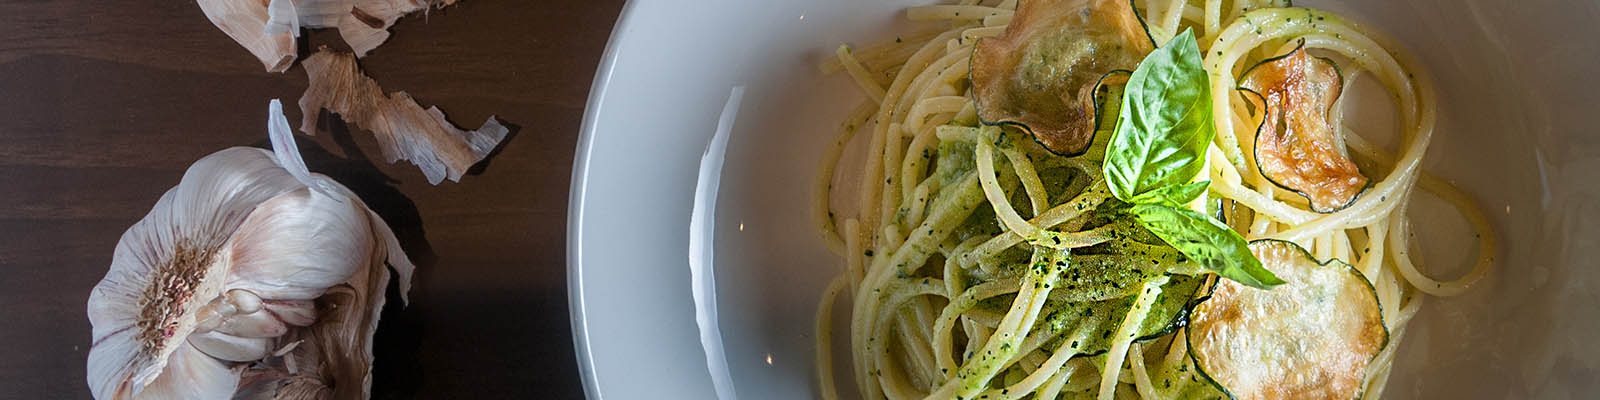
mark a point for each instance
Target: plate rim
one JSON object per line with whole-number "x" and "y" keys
{"x": 575, "y": 202}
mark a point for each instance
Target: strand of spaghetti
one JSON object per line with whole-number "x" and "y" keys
{"x": 916, "y": 120}
{"x": 889, "y": 192}
{"x": 919, "y": 202}
{"x": 913, "y": 172}
{"x": 1462, "y": 203}
{"x": 922, "y": 315}
{"x": 943, "y": 326}
{"x": 1194, "y": 14}
{"x": 881, "y": 56}
{"x": 1141, "y": 378}
{"x": 824, "y": 335}
{"x": 1038, "y": 199}
{"x": 1378, "y": 372}
{"x": 1408, "y": 309}
{"x": 937, "y": 77}
{"x": 1213, "y": 21}
{"x": 892, "y": 379}
{"x": 1341, "y": 246}
{"x": 1262, "y": 186}
{"x": 973, "y": 34}
{"x": 1389, "y": 299}
{"x": 997, "y": 20}
{"x": 822, "y": 186}
{"x": 1226, "y": 181}
{"x": 1052, "y": 387}
{"x": 1097, "y": 193}
{"x": 874, "y": 168}
{"x": 954, "y": 204}
{"x": 859, "y": 73}
{"x": 1178, "y": 350}
{"x": 1170, "y": 19}
{"x": 1377, "y": 235}
{"x": 1487, "y": 240}
{"x": 1051, "y": 367}
{"x": 1220, "y": 171}
{"x": 975, "y": 373}
{"x": 914, "y": 163}
{"x": 891, "y": 159}
{"x": 952, "y": 12}
{"x": 892, "y": 299}
{"x": 1031, "y": 362}
{"x": 1400, "y": 229}
{"x": 1127, "y": 331}
{"x": 1322, "y": 246}
{"x": 853, "y": 254}
{"x": 955, "y": 277}
{"x": 891, "y": 236}
{"x": 941, "y": 78}
{"x": 977, "y": 335}
{"x": 921, "y": 359}
{"x": 997, "y": 197}
{"x": 1262, "y": 225}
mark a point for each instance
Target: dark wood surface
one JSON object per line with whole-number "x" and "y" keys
{"x": 104, "y": 104}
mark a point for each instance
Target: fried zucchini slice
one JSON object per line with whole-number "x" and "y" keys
{"x": 1296, "y": 146}
{"x": 1041, "y": 75}
{"x": 1310, "y": 338}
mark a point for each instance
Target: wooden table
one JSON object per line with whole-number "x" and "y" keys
{"x": 104, "y": 104}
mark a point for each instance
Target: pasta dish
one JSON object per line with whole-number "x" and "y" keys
{"x": 1121, "y": 199}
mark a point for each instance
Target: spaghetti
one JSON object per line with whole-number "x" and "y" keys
{"x": 948, "y": 257}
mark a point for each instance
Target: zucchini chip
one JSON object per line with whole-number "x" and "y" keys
{"x": 1041, "y": 75}
{"x": 1296, "y": 147}
{"x": 1311, "y": 337}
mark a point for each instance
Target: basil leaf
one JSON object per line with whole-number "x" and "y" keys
{"x": 1206, "y": 241}
{"x": 1173, "y": 195}
{"x": 1164, "y": 124}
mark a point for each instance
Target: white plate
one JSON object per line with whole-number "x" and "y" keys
{"x": 1518, "y": 102}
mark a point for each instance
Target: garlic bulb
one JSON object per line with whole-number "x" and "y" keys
{"x": 252, "y": 278}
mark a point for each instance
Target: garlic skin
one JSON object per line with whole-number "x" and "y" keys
{"x": 232, "y": 270}
{"x": 268, "y": 28}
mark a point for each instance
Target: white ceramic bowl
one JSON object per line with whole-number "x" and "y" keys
{"x": 660, "y": 200}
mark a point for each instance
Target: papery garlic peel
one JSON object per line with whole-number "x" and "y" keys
{"x": 405, "y": 130}
{"x": 268, "y": 27}
{"x": 227, "y": 275}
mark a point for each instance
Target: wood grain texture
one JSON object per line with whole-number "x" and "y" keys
{"x": 103, "y": 105}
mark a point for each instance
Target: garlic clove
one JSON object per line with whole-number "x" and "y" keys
{"x": 110, "y": 362}
{"x": 231, "y": 348}
{"x": 296, "y": 245}
{"x": 259, "y": 324}
{"x": 191, "y": 374}
{"x": 243, "y": 301}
